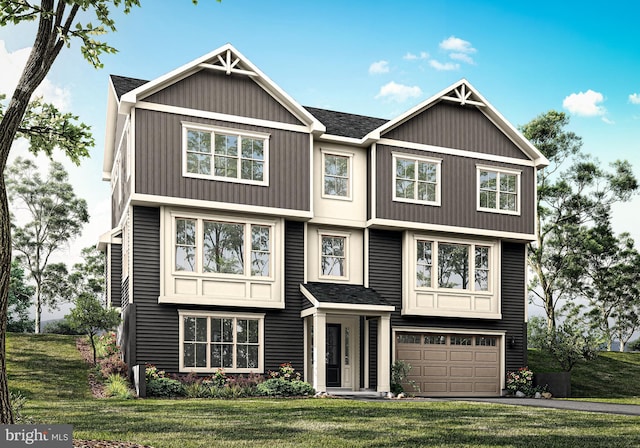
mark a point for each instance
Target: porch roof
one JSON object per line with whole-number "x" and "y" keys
{"x": 345, "y": 297}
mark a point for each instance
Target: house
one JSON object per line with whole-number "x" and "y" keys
{"x": 249, "y": 231}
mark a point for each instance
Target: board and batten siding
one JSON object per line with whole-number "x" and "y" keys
{"x": 115, "y": 276}
{"x": 233, "y": 94}
{"x": 458, "y": 194}
{"x": 454, "y": 126}
{"x": 159, "y": 158}
{"x": 385, "y": 270}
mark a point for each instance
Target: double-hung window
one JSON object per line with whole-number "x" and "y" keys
{"x": 211, "y": 341}
{"x": 336, "y": 175}
{"x": 333, "y": 256}
{"x": 416, "y": 179}
{"x": 498, "y": 190}
{"x": 211, "y": 246}
{"x": 448, "y": 265}
{"x": 225, "y": 154}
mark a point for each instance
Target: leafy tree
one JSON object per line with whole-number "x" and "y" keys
{"x": 90, "y": 317}
{"x": 59, "y": 23}
{"x": 573, "y": 192}
{"x": 20, "y": 294}
{"x": 54, "y": 217}
{"x": 89, "y": 276}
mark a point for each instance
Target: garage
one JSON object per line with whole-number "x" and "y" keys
{"x": 463, "y": 365}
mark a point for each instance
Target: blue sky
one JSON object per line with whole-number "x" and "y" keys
{"x": 376, "y": 58}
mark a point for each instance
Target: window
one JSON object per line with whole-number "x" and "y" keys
{"x": 453, "y": 265}
{"x": 336, "y": 175}
{"x": 416, "y": 180}
{"x": 498, "y": 190}
{"x": 460, "y": 340}
{"x": 435, "y": 339}
{"x": 409, "y": 338}
{"x": 486, "y": 341}
{"x": 220, "y": 247}
{"x": 333, "y": 261}
{"x": 221, "y": 341}
{"x": 226, "y": 154}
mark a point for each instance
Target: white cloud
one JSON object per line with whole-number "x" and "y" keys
{"x": 379, "y": 67}
{"x": 398, "y": 92}
{"x": 586, "y": 104}
{"x": 12, "y": 65}
{"x": 608, "y": 121}
{"x": 462, "y": 57}
{"x": 634, "y": 98}
{"x": 457, "y": 45}
{"x": 448, "y": 66}
{"x": 412, "y": 57}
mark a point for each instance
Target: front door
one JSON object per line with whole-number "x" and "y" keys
{"x": 334, "y": 355}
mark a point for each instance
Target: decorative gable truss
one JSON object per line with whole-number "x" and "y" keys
{"x": 229, "y": 62}
{"x": 463, "y": 95}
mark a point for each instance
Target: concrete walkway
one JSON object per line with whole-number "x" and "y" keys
{"x": 570, "y": 405}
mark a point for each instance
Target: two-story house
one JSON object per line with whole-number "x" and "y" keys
{"x": 249, "y": 231}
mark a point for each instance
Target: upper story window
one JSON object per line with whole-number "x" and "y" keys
{"x": 336, "y": 175}
{"x": 498, "y": 190}
{"x": 226, "y": 154}
{"x": 333, "y": 255}
{"x": 447, "y": 265}
{"x": 220, "y": 247}
{"x": 416, "y": 179}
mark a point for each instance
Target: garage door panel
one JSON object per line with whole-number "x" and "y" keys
{"x": 452, "y": 365}
{"x": 461, "y": 356}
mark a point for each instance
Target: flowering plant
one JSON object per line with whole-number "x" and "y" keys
{"x": 521, "y": 380}
{"x": 219, "y": 378}
{"x": 286, "y": 372}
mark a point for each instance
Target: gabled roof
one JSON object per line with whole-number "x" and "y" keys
{"x": 463, "y": 93}
{"x": 228, "y": 60}
{"x": 123, "y": 84}
{"x": 344, "y": 293}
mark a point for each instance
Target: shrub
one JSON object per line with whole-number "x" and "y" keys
{"x": 152, "y": 373}
{"x": 399, "y": 373}
{"x": 634, "y": 346}
{"x": 107, "y": 345}
{"x": 165, "y": 387}
{"x": 567, "y": 343}
{"x": 61, "y": 326}
{"x": 280, "y": 387}
{"x": 117, "y": 387}
{"x": 520, "y": 380}
{"x": 113, "y": 365}
{"x": 17, "y": 403}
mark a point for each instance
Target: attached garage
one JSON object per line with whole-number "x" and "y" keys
{"x": 442, "y": 364}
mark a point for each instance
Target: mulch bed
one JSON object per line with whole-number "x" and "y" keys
{"x": 97, "y": 390}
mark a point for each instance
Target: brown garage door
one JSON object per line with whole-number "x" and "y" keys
{"x": 451, "y": 364}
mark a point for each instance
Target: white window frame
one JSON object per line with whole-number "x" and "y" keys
{"x": 499, "y": 170}
{"x": 349, "y": 156}
{"x": 199, "y": 246}
{"x": 331, "y": 234}
{"x": 417, "y": 158}
{"x": 472, "y": 244}
{"x": 240, "y": 133}
{"x": 209, "y": 315}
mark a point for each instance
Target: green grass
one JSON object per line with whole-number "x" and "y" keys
{"x": 292, "y": 422}
{"x": 612, "y": 375}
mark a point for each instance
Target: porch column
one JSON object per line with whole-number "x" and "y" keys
{"x": 320, "y": 351}
{"x": 384, "y": 353}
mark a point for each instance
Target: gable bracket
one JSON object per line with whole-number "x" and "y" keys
{"x": 462, "y": 96}
{"x": 227, "y": 64}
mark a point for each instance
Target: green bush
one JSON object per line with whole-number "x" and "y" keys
{"x": 17, "y": 403}
{"x": 61, "y": 326}
{"x": 399, "y": 373}
{"x": 165, "y": 387}
{"x": 117, "y": 387}
{"x": 280, "y": 387}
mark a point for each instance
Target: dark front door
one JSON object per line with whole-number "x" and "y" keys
{"x": 333, "y": 355}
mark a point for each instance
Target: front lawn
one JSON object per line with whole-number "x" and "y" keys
{"x": 291, "y": 422}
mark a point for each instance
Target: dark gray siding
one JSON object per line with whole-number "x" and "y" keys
{"x": 459, "y": 195}
{"x": 159, "y": 165}
{"x": 115, "y": 276}
{"x": 233, "y": 94}
{"x": 385, "y": 268}
{"x": 284, "y": 337}
{"x": 155, "y": 327}
{"x": 455, "y": 126}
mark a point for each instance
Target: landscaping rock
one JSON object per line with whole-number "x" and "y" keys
{"x": 546, "y": 395}
{"x": 538, "y": 395}
{"x": 390, "y": 395}
{"x": 520, "y": 394}
{"x": 401, "y": 395}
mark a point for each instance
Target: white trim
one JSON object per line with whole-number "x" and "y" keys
{"x": 373, "y": 188}
{"x": 322, "y": 233}
{"x": 337, "y": 153}
{"x": 327, "y": 306}
{"x": 498, "y": 171}
{"x": 213, "y": 131}
{"x": 305, "y": 251}
{"x": 311, "y": 175}
{"x": 234, "y": 119}
{"x": 182, "y": 313}
{"x": 151, "y": 199}
{"x": 132, "y": 152}
{"x": 416, "y": 159}
{"x": 393, "y": 224}
{"x": 455, "y": 152}
{"x": 366, "y": 258}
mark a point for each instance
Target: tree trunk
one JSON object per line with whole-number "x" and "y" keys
{"x": 6, "y": 414}
{"x": 38, "y": 308}
{"x": 93, "y": 346}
